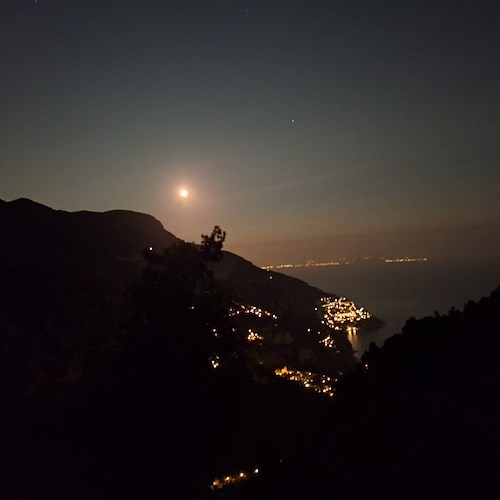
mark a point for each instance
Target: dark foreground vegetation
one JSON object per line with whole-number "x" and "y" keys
{"x": 418, "y": 418}
{"x": 154, "y": 394}
{"x": 126, "y": 378}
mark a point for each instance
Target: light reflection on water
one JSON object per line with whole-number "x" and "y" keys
{"x": 361, "y": 341}
{"x": 353, "y": 339}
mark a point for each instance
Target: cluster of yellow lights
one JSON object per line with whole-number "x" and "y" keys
{"x": 219, "y": 483}
{"x": 317, "y": 383}
{"x": 253, "y": 336}
{"x": 256, "y": 311}
{"x": 328, "y": 342}
{"x": 405, "y": 259}
{"x": 339, "y": 311}
{"x": 312, "y": 263}
{"x": 307, "y": 264}
{"x": 215, "y": 361}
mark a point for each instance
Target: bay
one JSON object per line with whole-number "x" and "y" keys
{"x": 395, "y": 292}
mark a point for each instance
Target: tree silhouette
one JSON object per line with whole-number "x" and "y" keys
{"x": 211, "y": 246}
{"x": 178, "y": 294}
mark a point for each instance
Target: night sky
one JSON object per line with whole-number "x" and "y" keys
{"x": 285, "y": 120}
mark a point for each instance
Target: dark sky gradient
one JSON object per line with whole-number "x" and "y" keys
{"x": 395, "y": 107}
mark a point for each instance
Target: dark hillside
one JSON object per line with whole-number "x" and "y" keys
{"x": 419, "y": 418}
{"x": 35, "y": 237}
{"x": 106, "y": 356}
{"x": 296, "y": 304}
{"x": 70, "y": 272}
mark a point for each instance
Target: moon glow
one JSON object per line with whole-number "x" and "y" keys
{"x": 184, "y": 193}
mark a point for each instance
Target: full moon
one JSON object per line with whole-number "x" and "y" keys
{"x": 184, "y": 193}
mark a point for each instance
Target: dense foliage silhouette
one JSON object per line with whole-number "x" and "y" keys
{"x": 418, "y": 418}
{"x": 162, "y": 400}
{"x": 107, "y": 396}
{"x": 63, "y": 278}
{"x": 153, "y": 401}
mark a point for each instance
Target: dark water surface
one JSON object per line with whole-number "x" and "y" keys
{"x": 395, "y": 292}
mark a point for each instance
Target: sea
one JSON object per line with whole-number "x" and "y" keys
{"x": 395, "y": 292}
